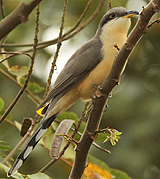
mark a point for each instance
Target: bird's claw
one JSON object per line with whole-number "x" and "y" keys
{"x": 98, "y": 92}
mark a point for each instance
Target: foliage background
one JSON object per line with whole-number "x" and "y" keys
{"x": 133, "y": 109}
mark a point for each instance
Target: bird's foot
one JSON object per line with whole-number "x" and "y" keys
{"x": 98, "y": 92}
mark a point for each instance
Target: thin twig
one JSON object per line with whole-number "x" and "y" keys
{"x": 58, "y": 48}
{"x": 55, "y": 40}
{"x": 66, "y": 36}
{"x": 2, "y": 11}
{"x": 13, "y": 79}
{"x": 80, "y": 19}
{"x": 33, "y": 97}
{"x": 19, "y": 144}
{"x": 155, "y": 21}
{"x": 68, "y": 143}
{"x": 29, "y": 74}
{"x": 12, "y": 54}
{"x": 20, "y": 93}
{"x": 109, "y": 4}
{"x": 101, "y": 148}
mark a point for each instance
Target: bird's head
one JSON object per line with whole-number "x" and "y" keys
{"x": 116, "y": 20}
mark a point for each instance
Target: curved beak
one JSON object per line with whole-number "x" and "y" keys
{"x": 129, "y": 14}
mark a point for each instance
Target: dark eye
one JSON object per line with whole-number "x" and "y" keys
{"x": 113, "y": 15}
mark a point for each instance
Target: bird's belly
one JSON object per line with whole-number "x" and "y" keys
{"x": 96, "y": 77}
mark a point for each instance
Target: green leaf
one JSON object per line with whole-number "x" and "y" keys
{"x": 98, "y": 162}
{"x": 67, "y": 115}
{"x": 119, "y": 174}
{"x": 1, "y": 104}
{"x": 38, "y": 176}
{"x": 114, "y": 172}
{"x": 81, "y": 130}
{"x": 35, "y": 87}
{"x": 82, "y": 127}
{"x": 20, "y": 176}
{"x": 5, "y": 63}
{"x": 32, "y": 86}
{"x": 18, "y": 70}
{"x": 101, "y": 137}
{"x": 6, "y": 169}
{"x": 73, "y": 116}
{"x": 5, "y": 147}
{"x": 2, "y": 155}
{"x": 69, "y": 154}
{"x": 25, "y": 1}
{"x": 47, "y": 141}
{"x": 21, "y": 80}
{"x": 9, "y": 116}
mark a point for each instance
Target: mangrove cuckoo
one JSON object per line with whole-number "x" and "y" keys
{"x": 87, "y": 68}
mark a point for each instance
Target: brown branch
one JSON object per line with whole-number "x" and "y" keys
{"x": 54, "y": 41}
{"x": 27, "y": 80}
{"x": 33, "y": 97}
{"x": 18, "y": 16}
{"x": 11, "y": 54}
{"x": 59, "y": 43}
{"x": 112, "y": 80}
{"x": 70, "y": 33}
{"x": 2, "y": 10}
{"x": 75, "y": 131}
{"x": 20, "y": 93}
{"x": 19, "y": 143}
{"x": 155, "y": 21}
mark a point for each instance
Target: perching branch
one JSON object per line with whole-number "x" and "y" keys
{"x": 70, "y": 33}
{"x": 112, "y": 80}
{"x": 18, "y": 16}
{"x": 75, "y": 131}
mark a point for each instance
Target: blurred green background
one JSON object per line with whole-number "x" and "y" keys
{"x": 133, "y": 109}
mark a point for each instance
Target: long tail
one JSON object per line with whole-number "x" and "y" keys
{"x": 37, "y": 135}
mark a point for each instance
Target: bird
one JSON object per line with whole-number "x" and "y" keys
{"x": 86, "y": 69}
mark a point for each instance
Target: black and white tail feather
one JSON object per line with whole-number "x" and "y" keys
{"x": 37, "y": 135}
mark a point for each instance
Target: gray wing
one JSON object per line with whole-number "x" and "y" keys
{"x": 78, "y": 66}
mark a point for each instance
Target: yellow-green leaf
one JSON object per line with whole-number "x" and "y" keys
{"x": 4, "y": 147}
{"x": 9, "y": 116}
{"x": 6, "y": 169}
{"x": 38, "y": 176}
{"x": 119, "y": 174}
{"x": 21, "y": 80}
{"x": 18, "y": 70}
{"x": 35, "y": 87}
{"x": 1, "y": 104}
{"x": 32, "y": 86}
{"x": 67, "y": 115}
